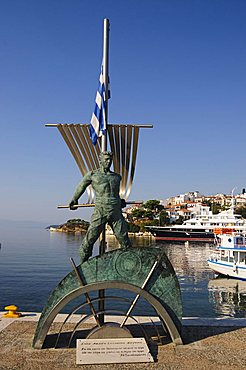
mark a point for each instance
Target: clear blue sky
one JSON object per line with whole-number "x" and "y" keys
{"x": 178, "y": 64}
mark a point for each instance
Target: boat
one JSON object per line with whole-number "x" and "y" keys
{"x": 200, "y": 227}
{"x": 181, "y": 233}
{"x": 229, "y": 258}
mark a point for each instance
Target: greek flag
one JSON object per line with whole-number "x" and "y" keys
{"x": 98, "y": 119}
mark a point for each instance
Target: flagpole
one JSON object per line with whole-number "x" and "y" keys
{"x": 102, "y": 247}
{"x": 105, "y": 76}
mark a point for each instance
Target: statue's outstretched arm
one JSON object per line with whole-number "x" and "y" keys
{"x": 80, "y": 189}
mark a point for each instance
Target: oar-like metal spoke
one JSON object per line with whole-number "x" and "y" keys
{"x": 123, "y": 139}
{"x": 76, "y": 130}
{"x": 67, "y": 139}
{"x": 134, "y": 158}
{"x": 128, "y": 158}
{"x": 91, "y": 150}
{"x": 117, "y": 149}
{"x": 123, "y": 158}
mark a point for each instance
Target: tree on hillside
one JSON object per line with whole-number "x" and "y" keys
{"x": 138, "y": 213}
{"x": 241, "y": 211}
{"x": 215, "y": 207}
{"x": 133, "y": 228}
{"x": 163, "y": 218}
{"x": 151, "y": 213}
{"x": 153, "y": 205}
{"x": 180, "y": 220}
{"x": 148, "y": 214}
{"x": 144, "y": 223}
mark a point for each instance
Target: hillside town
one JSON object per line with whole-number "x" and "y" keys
{"x": 170, "y": 211}
{"x": 182, "y": 207}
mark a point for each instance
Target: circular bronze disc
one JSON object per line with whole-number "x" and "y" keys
{"x": 128, "y": 264}
{"x": 109, "y": 330}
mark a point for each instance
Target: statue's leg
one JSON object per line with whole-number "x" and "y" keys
{"x": 120, "y": 229}
{"x": 97, "y": 224}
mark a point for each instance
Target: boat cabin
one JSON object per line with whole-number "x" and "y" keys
{"x": 232, "y": 247}
{"x": 231, "y": 241}
{"x": 230, "y": 256}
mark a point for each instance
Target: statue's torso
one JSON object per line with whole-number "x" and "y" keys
{"x": 106, "y": 187}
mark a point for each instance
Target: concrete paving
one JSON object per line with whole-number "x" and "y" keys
{"x": 208, "y": 343}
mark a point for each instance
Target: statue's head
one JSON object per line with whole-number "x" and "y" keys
{"x": 106, "y": 160}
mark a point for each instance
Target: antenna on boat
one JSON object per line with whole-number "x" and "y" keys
{"x": 232, "y": 200}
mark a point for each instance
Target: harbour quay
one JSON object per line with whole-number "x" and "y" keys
{"x": 208, "y": 343}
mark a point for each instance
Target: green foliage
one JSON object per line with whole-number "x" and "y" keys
{"x": 153, "y": 205}
{"x": 152, "y": 223}
{"x": 215, "y": 207}
{"x": 133, "y": 228}
{"x": 163, "y": 218}
{"x": 138, "y": 213}
{"x": 148, "y": 214}
{"x": 180, "y": 220}
{"x": 142, "y": 224}
{"x": 76, "y": 223}
{"x": 241, "y": 211}
{"x": 151, "y": 213}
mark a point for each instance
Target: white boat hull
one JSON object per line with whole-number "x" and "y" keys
{"x": 228, "y": 269}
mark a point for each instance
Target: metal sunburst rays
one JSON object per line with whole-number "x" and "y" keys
{"x": 123, "y": 141}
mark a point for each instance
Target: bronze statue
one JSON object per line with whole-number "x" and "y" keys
{"x": 106, "y": 185}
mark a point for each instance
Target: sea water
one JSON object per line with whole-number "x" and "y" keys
{"x": 33, "y": 260}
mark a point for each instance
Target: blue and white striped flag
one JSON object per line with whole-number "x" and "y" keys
{"x": 98, "y": 119}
